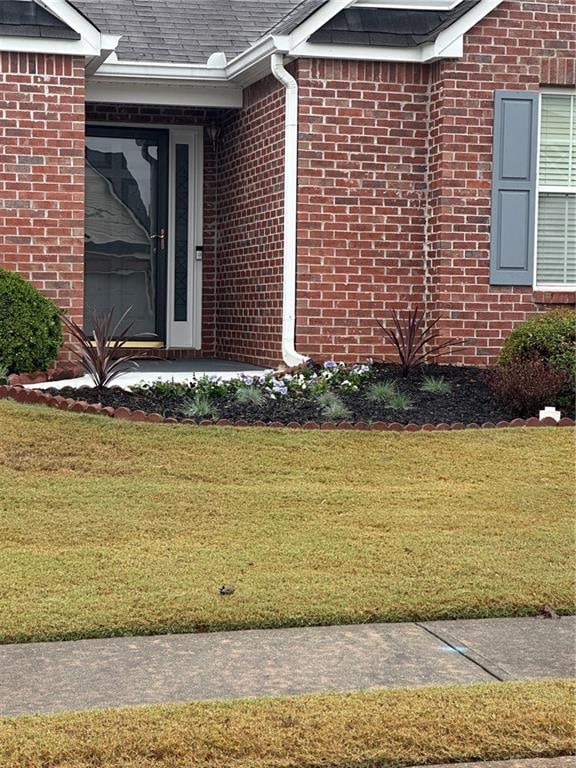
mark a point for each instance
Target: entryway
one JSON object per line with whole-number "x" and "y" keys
{"x": 143, "y": 231}
{"x": 150, "y": 371}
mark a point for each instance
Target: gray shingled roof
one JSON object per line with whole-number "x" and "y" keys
{"x": 23, "y": 18}
{"x": 402, "y": 28}
{"x": 188, "y": 30}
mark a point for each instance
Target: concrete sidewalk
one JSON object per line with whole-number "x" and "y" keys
{"x": 52, "y": 677}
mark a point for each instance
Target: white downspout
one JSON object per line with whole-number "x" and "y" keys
{"x": 289, "y": 354}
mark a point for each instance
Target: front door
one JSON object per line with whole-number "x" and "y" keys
{"x": 126, "y": 238}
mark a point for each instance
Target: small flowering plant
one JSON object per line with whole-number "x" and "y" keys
{"x": 317, "y": 378}
{"x": 309, "y": 379}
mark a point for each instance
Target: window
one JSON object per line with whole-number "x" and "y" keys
{"x": 556, "y": 221}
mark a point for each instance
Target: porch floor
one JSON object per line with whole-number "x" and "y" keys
{"x": 165, "y": 370}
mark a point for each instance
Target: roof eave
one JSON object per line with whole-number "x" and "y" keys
{"x": 254, "y": 63}
{"x": 91, "y": 43}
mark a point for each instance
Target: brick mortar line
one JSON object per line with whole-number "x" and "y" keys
{"x": 38, "y": 397}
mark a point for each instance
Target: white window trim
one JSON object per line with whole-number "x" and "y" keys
{"x": 563, "y": 287}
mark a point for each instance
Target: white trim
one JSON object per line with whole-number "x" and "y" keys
{"x": 194, "y": 135}
{"x": 455, "y": 32}
{"x": 356, "y": 52}
{"x": 422, "y": 54}
{"x": 318, "y": 19}
{"x": 565, "y": 287}
{"x": 180, "y": 93}
{"x": 253, "y": 63}
{"x": 72, "y": 18}
{"x": 411, "y": 5}
{"x": 92, "y": 43}
{"x": 289, "y": 354}
{"x": 9, "y": 44}
{"x": 160, "y": 70}
{"x": 188, "y": 334}
{"x": 550, "y": 90}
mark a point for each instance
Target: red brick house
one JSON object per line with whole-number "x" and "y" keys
{"x": 262, "y": 179}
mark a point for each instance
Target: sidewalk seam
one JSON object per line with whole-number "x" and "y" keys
{"x": 473, "y": 657}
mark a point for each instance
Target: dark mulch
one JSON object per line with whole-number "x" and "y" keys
{"x": 469, "y": 401}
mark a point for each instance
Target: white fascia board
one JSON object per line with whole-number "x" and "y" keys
{"x": 322, "y": 16}
{"x": 356, "y": 52}
{"x": 14, "y": 44}
{"x": 164, "y": 93}
{"x": 75, "y": 20}
{"x": 92, "y": 42}
{"x": 410, "y": 5}
{"x": 446, "y": 39}
{"x": 142, "y": 70}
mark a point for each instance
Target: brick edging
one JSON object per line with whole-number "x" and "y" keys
{"x": 38, "y": 397}
{"x": 55, "y": 373}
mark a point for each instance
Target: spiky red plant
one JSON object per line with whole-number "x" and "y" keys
{"x": 416, "y": 339}
{"x": 97, "y": 353}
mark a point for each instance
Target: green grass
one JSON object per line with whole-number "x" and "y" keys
{"x": 113, "y": 528}
{"x": 359, "y": 730}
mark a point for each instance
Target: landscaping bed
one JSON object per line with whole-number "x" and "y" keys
{"x": 432, "y": 394}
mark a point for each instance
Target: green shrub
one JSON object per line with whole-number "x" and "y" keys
{"x": 527, "y": 385}
{"x": 30, "y": 333}
{"x": 550, "y": 337}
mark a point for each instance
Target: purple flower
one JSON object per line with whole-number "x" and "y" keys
{"x": 330, "y": 364}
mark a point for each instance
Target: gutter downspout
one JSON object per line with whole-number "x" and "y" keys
{"x": 289, "y": 354}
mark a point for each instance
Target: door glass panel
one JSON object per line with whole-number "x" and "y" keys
{"x": 121, "y": 269}
{"x": 181, "y": 233}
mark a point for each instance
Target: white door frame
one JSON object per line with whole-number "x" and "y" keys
{"x": 186, "y": 334}
{"x": 182, "y": 334}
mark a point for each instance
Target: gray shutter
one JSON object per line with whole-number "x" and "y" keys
{"x": 514, "y": 187}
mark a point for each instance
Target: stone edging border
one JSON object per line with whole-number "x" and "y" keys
{"x": 38, "y": 397}
{"x": 56, "y": 373}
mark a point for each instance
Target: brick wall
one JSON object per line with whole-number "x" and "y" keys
{"x": 149, "y": 116}
{"x": 520, "y": 45}
{"x": 42, "y": 173}
{"x": 394, "y": 190}
{"x": 250, "y": 228}
{"x": 395, "y": 180}
{"x": 362, "y": 198}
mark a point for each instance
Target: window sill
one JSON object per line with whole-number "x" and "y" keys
{"x": 542, "y": 296}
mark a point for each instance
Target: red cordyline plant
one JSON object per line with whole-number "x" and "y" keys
{"x": 416, "y": 339}
{"x": 97, "y": 353}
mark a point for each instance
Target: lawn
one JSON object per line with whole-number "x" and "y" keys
{"x": 113, "y": 528}
{"x": 382, "y": 728}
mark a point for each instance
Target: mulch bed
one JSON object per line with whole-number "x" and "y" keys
{"x": 469, "y": 401}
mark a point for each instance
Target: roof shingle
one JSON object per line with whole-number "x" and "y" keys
{"x": 185, "y": 30}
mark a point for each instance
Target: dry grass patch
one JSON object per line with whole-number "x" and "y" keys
{"x": 374, "y": 728}
{"x": 112, "y": 528}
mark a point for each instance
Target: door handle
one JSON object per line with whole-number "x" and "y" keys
{"x": 161, "y": 237}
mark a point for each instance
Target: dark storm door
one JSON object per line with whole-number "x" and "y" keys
{"x": 126, "y": 227}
